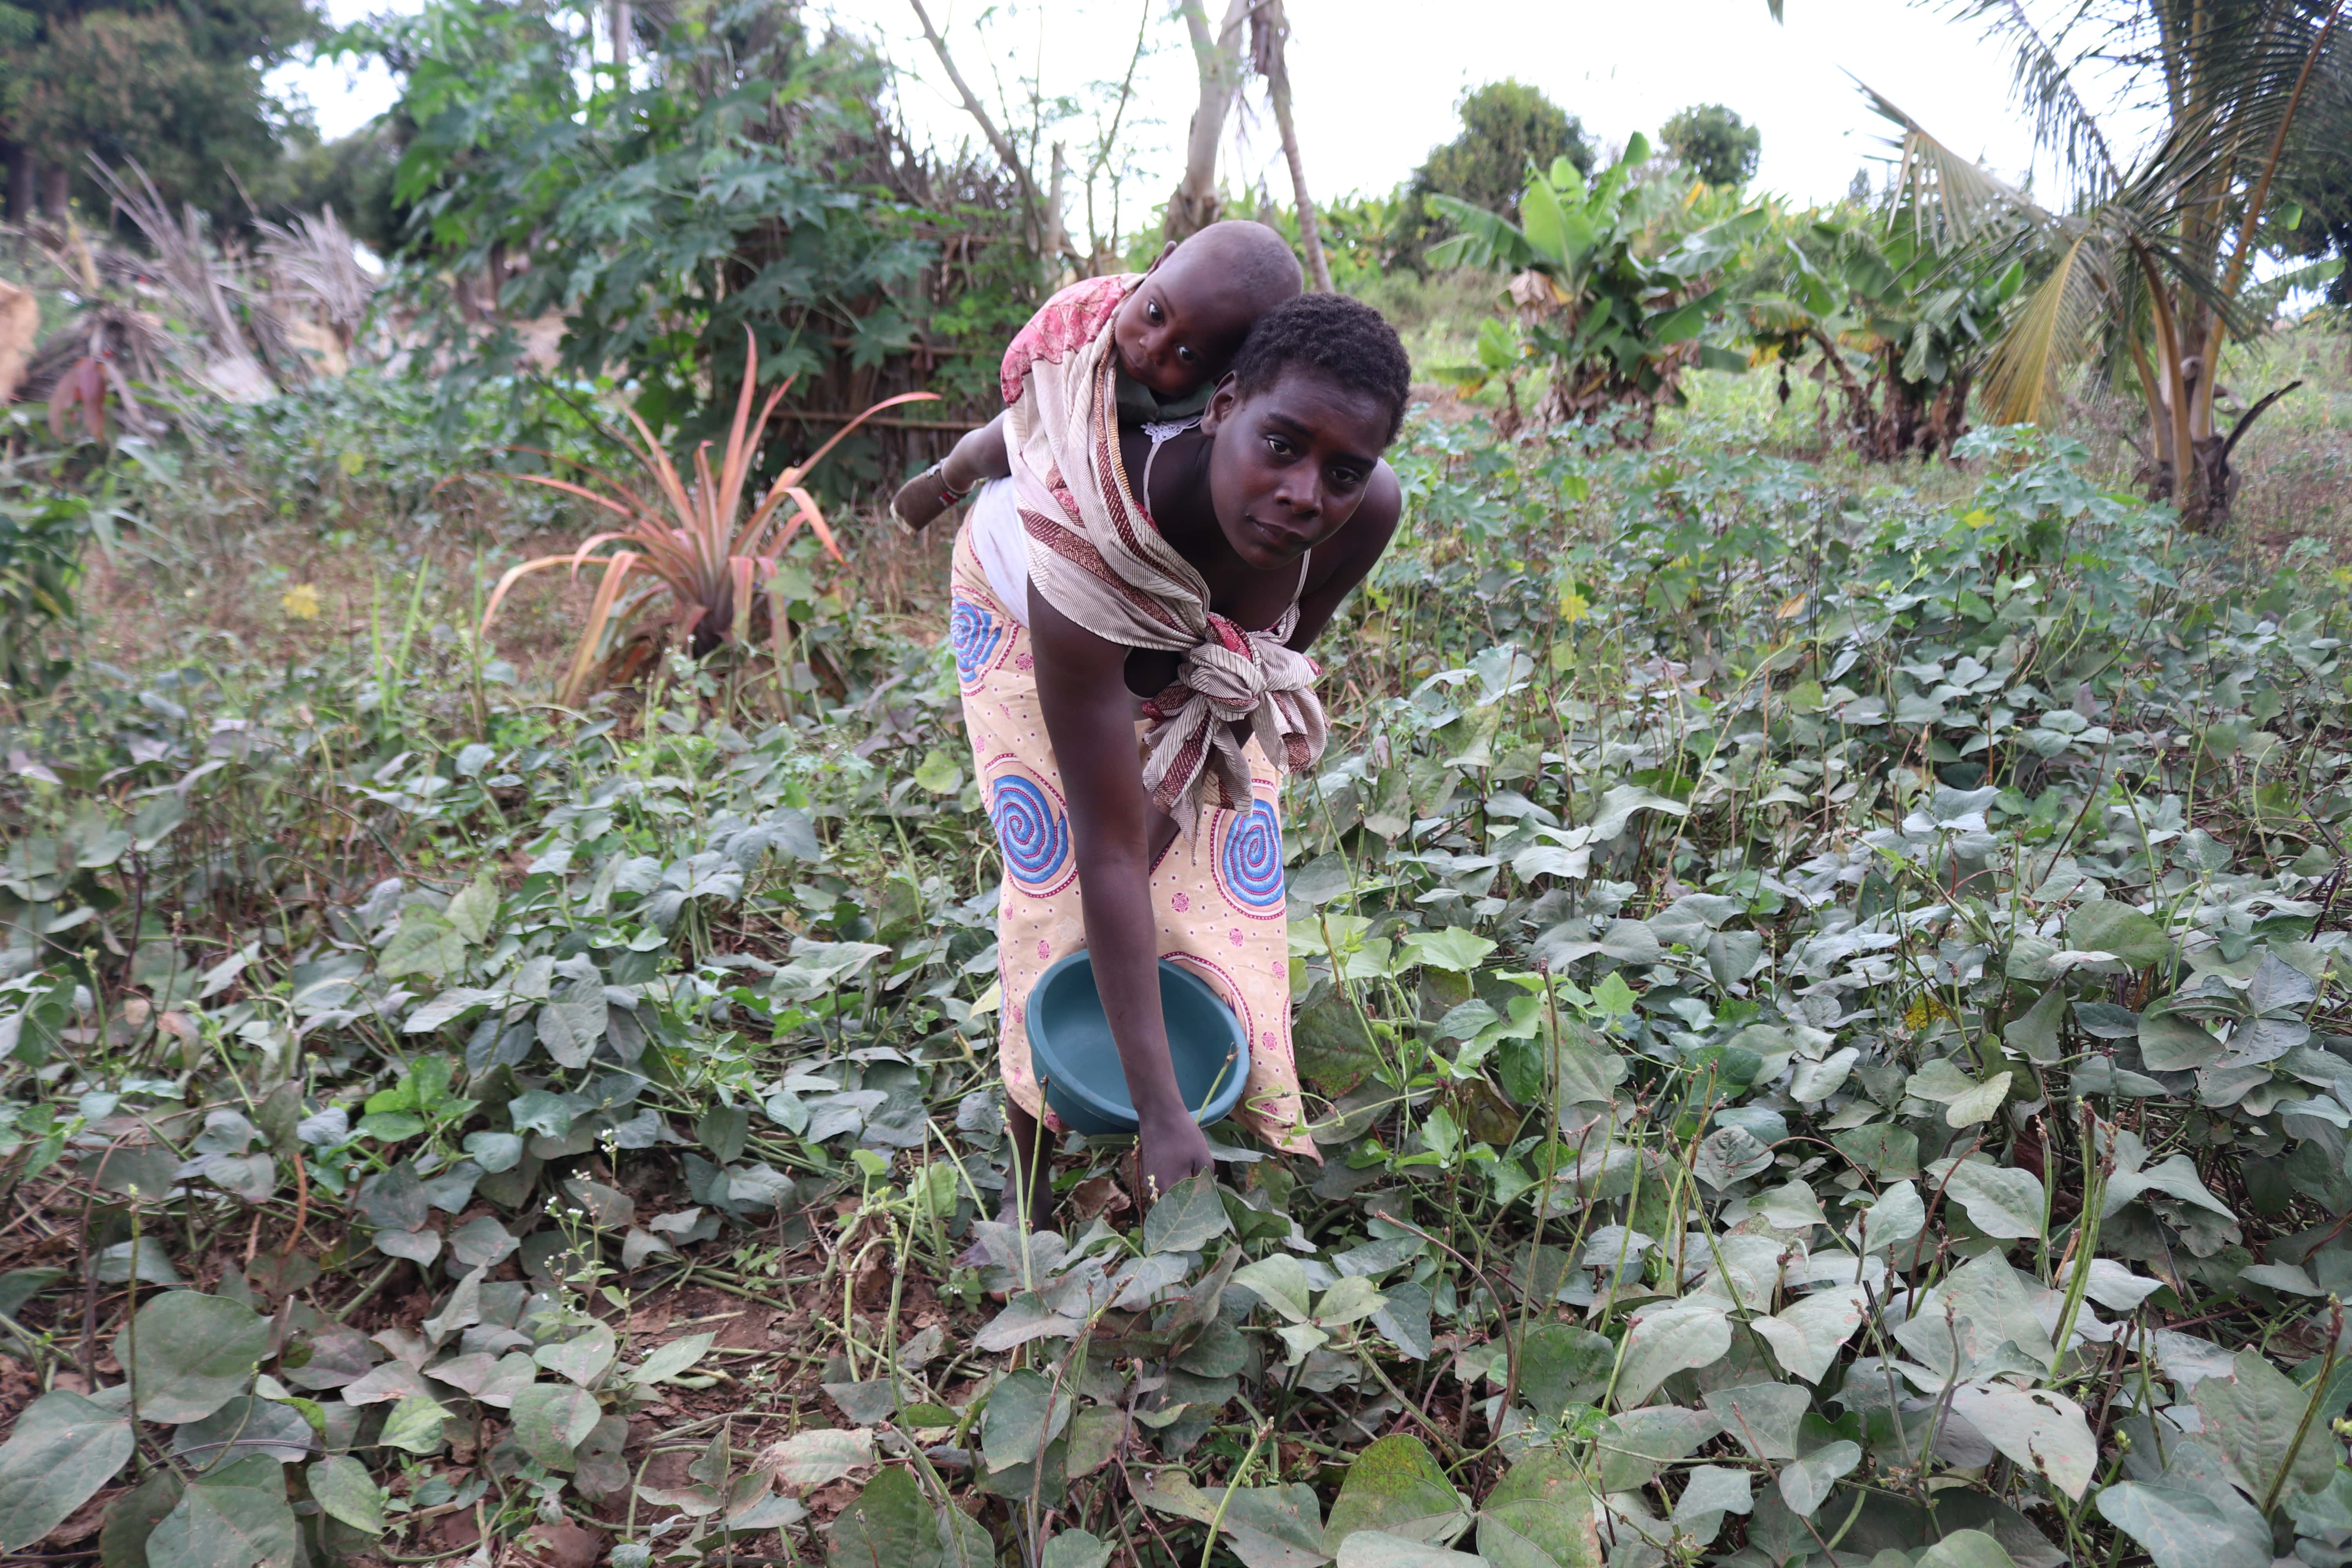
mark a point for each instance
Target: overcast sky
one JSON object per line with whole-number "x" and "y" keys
{"x": 1376, "y": 81}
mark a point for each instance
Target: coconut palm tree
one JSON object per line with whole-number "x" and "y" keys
{"x": 2149, "y": 261}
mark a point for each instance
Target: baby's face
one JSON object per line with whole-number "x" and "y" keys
{"x": 1177, "y": 331}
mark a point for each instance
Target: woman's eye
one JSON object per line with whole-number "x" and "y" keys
{"x": 1277, "y": 446}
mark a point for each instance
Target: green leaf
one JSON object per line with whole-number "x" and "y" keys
{"x": 130, "y": 1523}
{"x": 723, "y": 1130}
{"x": 2182, "y": 1528}
{"x": 2252, "y": 1419}
{"x": 1805, "y": 1483}
{"x": 1280, "y": 1282}
{"x": 1333, "y": 1049}
{"x": 1377, "y": 1549}
{"x": 426, "y": 944}
{"x": 1619, "y": 805}
{"x": 242, "y": 1428}
{"x": 938, "y": 773}
{"x": 2176, "y": 1042}
{"x": 2104, "y": 926}
{"x": 1539, "y": 1515}
{"x": 1095, "y": 1433}
{"x": 1674, "y": 1338}
{"x": 1561, "y": 1365}
{"x": 1023, "y": 1415}
{"x": 1275, "y": 1527}
{"x": 891, "y": 1525}
{"x": 2000, "y": 1200}
{"x": 1808, "y": 1333}
{"x": 816, "y": 1458}
{"x": 414, "y": 1424}
{"x": 583, "y": 1358}
{"x": 551, "y": 1419}
{"x": 667, "y": 1360}
{"x": 63, "y": 1450}
{"x": 189, "y": 1354}
{"x": 342, "y": 1485}
{"x": 1762, "y": 1416}
{"x": 1076, "y": 1549}
{"x": 1966, "y": 1549}
{"x": 2039, "y": 1430}
{"x": 2034, "y": 1032}
{"x": 569, "y": 1030}
{"x": 473, "y": 909}
{"x": 1452, "y": 948}
{"x": 233, "y": 1517}
{"x": 1396, "y": 1485}
{"x": 1886, "y": 1151}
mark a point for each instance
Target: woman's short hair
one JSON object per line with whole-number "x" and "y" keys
{"x": 1342, "y": 340}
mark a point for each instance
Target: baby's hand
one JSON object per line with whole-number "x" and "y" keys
{"x": 920, "y": 499}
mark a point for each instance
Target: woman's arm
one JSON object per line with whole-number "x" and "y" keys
{"x": 1090, "y": 719}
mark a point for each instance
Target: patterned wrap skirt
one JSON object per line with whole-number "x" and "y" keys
{"x": 1217, "y": 900}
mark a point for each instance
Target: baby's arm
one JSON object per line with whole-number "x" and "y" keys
{"x": 978, "y": 457}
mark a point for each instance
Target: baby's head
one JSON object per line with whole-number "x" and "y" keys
{"x": 1182, "y": 326}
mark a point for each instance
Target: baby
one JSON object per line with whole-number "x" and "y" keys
{"x": 1175, "y": 333}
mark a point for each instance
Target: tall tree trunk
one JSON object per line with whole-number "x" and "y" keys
{"x": 1056, "y": 231}
{"x": 1270, "y": 41}
{"x": 624, "y": 24}
{"x": 1217, "y": 56}
{"x": 56, "y": 186}
{"x": 24, "y": 170}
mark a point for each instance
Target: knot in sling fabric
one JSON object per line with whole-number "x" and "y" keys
{"x": 1100, "y": 559}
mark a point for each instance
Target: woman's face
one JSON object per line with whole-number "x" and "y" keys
{"x": 1290, "y": 464}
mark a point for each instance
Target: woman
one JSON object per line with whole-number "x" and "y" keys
{"x": 1176, "y": 575}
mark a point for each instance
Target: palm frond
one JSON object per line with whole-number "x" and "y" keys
{"x": 1950, "y": 202}
{"x": 2042, "y": 80}
{"x": 2050, "y": 336}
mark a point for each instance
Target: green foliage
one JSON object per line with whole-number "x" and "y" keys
{"x": 735, "y": 186}
{"x": 1617, "y": 282}
{"x": 1827, "y": 996}
{"x": 42, "y": 533}
{"x": 1508, "y": 128}
{"x": 1896, "y": 327}
{"x": 180, "y": 91}
{"x": 1714, "y": 143}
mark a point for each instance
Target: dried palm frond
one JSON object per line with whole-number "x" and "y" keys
{"x": 185, "y": 264}
{"x": 317, "y": 257}
{"x": 686, "y": 542}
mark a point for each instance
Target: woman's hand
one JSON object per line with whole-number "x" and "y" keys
{"x": 1169, "y": 1153}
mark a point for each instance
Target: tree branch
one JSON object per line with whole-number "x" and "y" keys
{"x": 972, "y": 106}
{"x": 2246, "y": 420}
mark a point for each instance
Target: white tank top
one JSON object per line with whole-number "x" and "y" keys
{"x": 1003, "y": 548}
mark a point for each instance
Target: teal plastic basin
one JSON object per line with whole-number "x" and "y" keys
{"x": 1072, "y": 1052}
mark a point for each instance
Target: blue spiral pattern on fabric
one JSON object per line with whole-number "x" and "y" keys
{"x": 1252, "y": 861}
{"x": 975, "y": 636}
{"x": 1034, "y": 836}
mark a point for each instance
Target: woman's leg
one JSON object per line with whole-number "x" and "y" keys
{"x": 1031, "y": 1180}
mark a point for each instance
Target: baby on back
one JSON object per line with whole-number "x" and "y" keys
{"x": 1174, "y": 333}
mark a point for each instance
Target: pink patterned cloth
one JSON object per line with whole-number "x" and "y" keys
{"x": 1217, "y": 897}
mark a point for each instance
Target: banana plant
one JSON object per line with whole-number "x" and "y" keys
{"x": 1899, "y": 329}
{"x": 1615, "y": 281}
